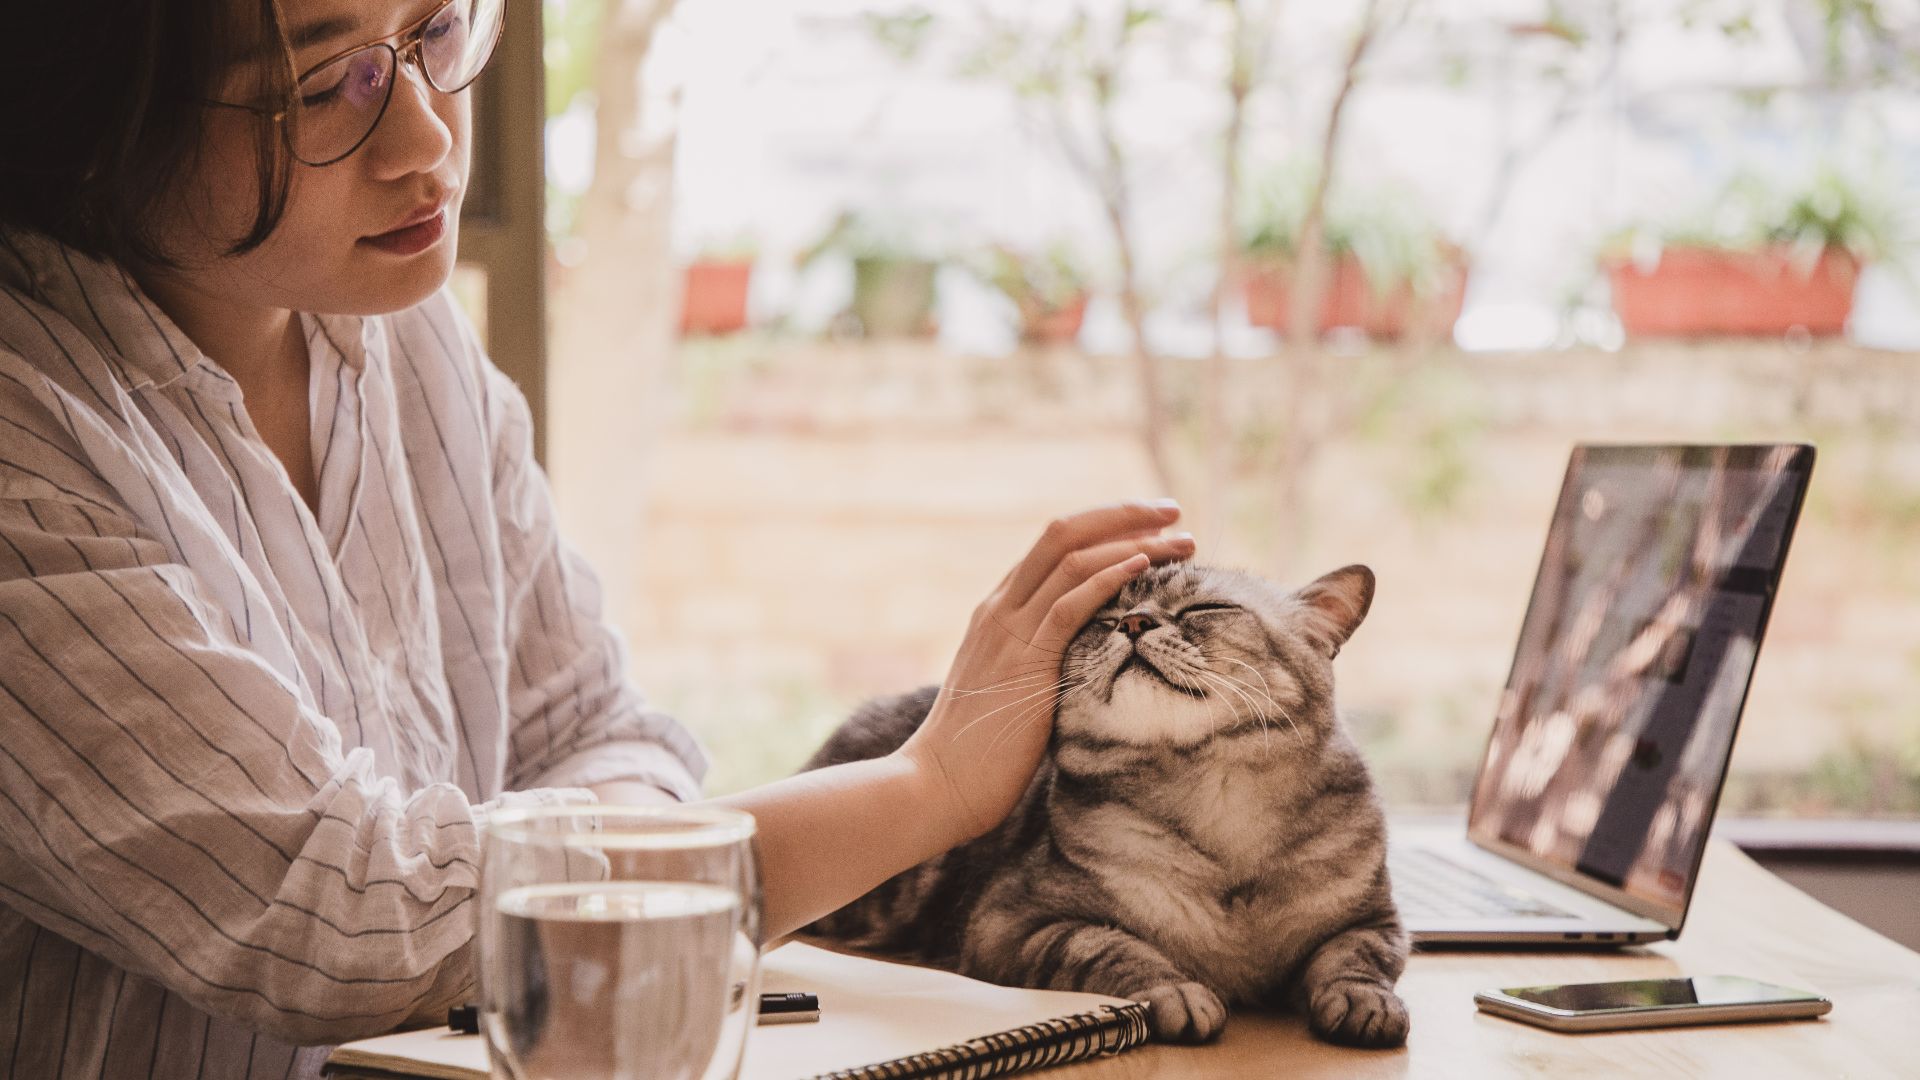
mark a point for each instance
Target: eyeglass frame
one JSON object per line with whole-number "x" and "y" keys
{"x": 412, "y": 38}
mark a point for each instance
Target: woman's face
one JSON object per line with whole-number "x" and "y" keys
{"x": 328, "y": 254}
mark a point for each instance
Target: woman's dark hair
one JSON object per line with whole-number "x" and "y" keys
{"x": 104, "y": 107}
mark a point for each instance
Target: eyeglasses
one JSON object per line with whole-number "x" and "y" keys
{"x": 339, "y": 101}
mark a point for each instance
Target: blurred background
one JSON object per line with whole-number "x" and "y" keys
{"x": 843, "y": 299}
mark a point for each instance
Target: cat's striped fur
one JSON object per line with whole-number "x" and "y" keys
{"x": 1204, "y": 831}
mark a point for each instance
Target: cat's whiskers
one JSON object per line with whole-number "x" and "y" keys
{"x": 1070, "y": 685}
{"x": 1043, "y": 691}
{"x": 1253, "y": 710}
{"x": 1265, "y": 691}
{"x": 1272, "y": 706}
{"x": 1025, "y": 676}
{"x": 1214, "y": 725}
{"x": 1248, "y": 688}
{"x": 1023, "y": 720}
{"x": 1015, "y": 682}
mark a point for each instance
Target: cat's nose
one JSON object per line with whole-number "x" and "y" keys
{"x": 1137, "y": 623}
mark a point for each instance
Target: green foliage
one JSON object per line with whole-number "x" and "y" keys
{"x": 1035, "y": 283}
{"x": 1865, "y": 777}
{"x": 1753, "y": 212}
{"x": 1411, "y": 769}
{"x": 1434, "y": 417}
{"x": 1047, "y": 60}
{"x": 1858, "y": 776}
{"x": 893, "y": 272}
{"x": 1837, "y": 213}
{"x": 714, "y": 371}
{"x": 741, "y": 246}
{"x": 868, "y": 237}
{"x": 571, "y": 49}
{"x": 1562, "y": 22}
{"x": 744, "y": 748}
{"x": 903, "y": 34}
{"x": 1139, "y": 16}
{"x": 1860, "y": 43}
{"x": 1384, "y": 228}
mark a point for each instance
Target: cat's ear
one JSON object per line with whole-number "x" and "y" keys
{"x": 1336, "y": 603}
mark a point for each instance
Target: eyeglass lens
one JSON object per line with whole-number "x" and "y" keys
{"x": 339, "y": 104}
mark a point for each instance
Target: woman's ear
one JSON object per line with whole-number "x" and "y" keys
{"x": 1334, "y": 605}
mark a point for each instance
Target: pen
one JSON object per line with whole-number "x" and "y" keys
{"x": 790, "y": 1008}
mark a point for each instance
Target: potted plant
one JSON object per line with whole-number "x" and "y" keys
{"x": 892, "y": 277}
{"x": 714, "y": 287}
{"x": 1391, "y": 273}
{"x": 1759, "y": 263}
{"x": 1048, "y": 291}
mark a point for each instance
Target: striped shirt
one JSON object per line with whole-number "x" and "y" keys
{"x": 243, "y": 745}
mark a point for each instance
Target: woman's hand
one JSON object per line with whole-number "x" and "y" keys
{"x": 989, "y": 727}
{"x": 828, "y": 835}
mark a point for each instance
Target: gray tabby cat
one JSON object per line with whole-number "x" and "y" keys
{"x": 1203, "y": 831}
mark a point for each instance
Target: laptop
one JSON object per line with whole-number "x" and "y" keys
{"x": 1592, "y": 803}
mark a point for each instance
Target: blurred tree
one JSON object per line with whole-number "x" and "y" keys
{"x": 616, "y": 304}
{"x": 1073, "y": 70}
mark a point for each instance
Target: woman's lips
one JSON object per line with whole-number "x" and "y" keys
{"x": 413, "y": 239}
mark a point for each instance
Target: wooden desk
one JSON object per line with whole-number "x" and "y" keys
{"x": 1744, "y": 921}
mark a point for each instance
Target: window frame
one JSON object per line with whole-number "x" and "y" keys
{"x": 503, "y": 220}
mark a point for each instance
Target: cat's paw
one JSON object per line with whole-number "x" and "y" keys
{"x": 1355, "y": 1013}
{"x": 1183, "y": 1012}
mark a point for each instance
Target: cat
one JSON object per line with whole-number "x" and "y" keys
{"x": 1202, "y": 832}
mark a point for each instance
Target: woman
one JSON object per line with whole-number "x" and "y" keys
{"x": 283, "y": 612}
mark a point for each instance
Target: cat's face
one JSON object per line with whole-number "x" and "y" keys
{"x": 1185, "y": 653}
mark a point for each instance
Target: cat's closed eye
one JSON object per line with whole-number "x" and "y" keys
{"x": 1207, "y": 609}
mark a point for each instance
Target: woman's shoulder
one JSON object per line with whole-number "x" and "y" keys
{"x": 80, "y": 325}
{"x": 47, "y": 362}
{"x": 58, "y": 395}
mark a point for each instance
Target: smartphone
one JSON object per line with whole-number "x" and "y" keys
{"x": 1647, "y": 1003}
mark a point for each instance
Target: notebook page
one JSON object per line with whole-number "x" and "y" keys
{"x": 873, "y": 1011}
{"x": 870, "y": 1011}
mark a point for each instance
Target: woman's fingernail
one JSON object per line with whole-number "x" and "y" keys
{"x": 1165, "y": 506}
{"x": 1183, "y": 538}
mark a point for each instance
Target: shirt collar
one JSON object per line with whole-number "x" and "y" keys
{"x": 345, "y": 339}
{"x": 101, "y": 299}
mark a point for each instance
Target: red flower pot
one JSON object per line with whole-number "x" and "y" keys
{"x": 713, "y": 299}
{"x": 1053, "y": 325}
{"x": 1699, "y": 292}
{"x": 1351, "y": 300}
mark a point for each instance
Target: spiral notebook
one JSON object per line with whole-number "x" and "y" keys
{"x": 878, "y": 1021}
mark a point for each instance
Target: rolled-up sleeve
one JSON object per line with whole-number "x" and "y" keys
{"x": 168, "y": 801}
{"x": 577, "y": 719}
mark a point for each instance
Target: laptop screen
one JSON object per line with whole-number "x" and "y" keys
{"x": 1618, "y": 717}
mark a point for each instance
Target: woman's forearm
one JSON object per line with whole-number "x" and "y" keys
{"x": 828, "y": 836}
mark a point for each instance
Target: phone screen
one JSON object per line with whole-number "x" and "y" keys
{"x": 1656, "y": 993}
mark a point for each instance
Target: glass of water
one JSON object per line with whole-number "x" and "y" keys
{"x": 618, "y": 943}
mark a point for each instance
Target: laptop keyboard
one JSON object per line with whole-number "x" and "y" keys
{"x": 1428, "y": 885}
